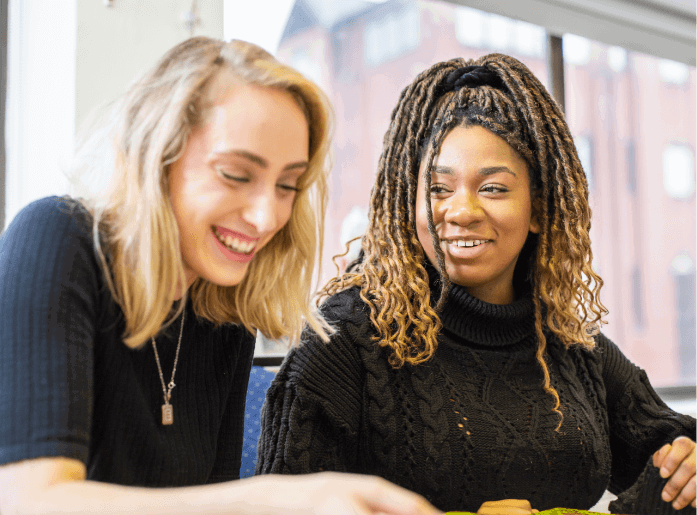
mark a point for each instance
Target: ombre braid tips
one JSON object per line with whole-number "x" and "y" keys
{"x": 502, "y": 95}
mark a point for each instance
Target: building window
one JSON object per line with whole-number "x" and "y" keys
{"x": 684, "y": 272}
{"x": 673, "y": 72}
{"x": 631, "y": 167}
{"x": 584, "y": 149}
{"x": 637, "y": 300}
{"x": 392, "y": 35}
{"x": 477, "y": 29}
{"x": 617, "y": 58}
{"x": 576, "y": 50}
{"x": 302, "y": 61}
{"x": 678, "y": 171}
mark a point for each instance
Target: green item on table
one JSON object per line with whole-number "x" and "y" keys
{"x": 553, "y": 511}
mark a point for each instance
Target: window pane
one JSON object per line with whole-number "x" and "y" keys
{"x": 370, "y": 55}
{"x": 636, "y": 115}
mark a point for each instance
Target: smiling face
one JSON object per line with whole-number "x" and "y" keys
{"x": 234, "y": 185}
{"x": 482, "y": 211}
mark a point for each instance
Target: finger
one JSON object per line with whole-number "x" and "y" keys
{"x": 680, "y": 479}
{"x": 680, "y": 449}
{"x": 686, "y": 496}
{"x": 660, "y": 455}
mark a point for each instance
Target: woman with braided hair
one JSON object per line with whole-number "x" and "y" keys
{"x": 467, "y": 364}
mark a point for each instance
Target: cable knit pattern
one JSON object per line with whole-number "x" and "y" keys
{"x": 472, "y": 424}
{"x": 643, "y": 497}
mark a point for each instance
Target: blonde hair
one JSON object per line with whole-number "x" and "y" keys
{"x": 135, "y": 231}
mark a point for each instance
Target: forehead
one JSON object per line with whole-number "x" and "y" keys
{"x": 472, "y": 148}
{"x": 249, "y": 116}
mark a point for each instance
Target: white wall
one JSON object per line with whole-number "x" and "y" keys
{"x": 66, "y": 57}
{"x": 40, "y": 115}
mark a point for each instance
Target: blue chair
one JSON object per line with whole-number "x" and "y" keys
{"x": 259, "y": 381}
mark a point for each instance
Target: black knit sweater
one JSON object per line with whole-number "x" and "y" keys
{"x": 69, "y": 387}
{"x": 472, "y": 424}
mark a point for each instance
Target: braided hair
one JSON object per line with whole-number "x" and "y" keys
{"x": 502, "y": 95}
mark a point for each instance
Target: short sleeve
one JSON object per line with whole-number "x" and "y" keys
{"x": 49, "y": 283}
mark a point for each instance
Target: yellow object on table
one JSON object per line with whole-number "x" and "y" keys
{"x": 553, "y": 511}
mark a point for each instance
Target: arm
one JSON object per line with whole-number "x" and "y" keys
{"x": 49, "y": 323}
{"x": 57, "y": 485}
{"x": 312, "y": 413}
{"x": 640, "y": 422}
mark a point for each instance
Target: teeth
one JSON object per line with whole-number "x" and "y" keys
{"x": 469, "y": 243}
{"x": 234, "y": 244}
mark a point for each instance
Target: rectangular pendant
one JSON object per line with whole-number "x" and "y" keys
{"x": 167, "y": 415}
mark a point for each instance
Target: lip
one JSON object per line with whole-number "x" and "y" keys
{"x": 451, "y": 248}
{"x": 227, "y": 232}
{"x": 229, "y": 254}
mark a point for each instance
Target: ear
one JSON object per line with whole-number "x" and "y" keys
{"x": 535, "y": 215}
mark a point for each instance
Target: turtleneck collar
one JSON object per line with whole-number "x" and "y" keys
{"x": 476, "y": 321}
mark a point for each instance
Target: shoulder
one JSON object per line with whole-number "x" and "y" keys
{"x": 346, "y": 305}
{"x": 51, "y": 221}
{"x": 54, "y": 210}
{"x": 315, "y": 359}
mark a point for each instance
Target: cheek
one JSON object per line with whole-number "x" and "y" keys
{"x": 422, "y": 232}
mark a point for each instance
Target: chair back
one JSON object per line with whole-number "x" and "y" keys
{"x": 259, "y": 381}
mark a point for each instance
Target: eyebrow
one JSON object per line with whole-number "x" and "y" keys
{"x": 489, "y": 170}
{"x": 258, "y": 160}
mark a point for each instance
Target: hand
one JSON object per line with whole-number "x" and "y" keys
{"x": 677, "y": 461}
{"x": 506, "y": 507}
{"x": 332, "y": 493}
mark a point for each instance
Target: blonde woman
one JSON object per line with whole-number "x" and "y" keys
{"x": 127, "y": 321}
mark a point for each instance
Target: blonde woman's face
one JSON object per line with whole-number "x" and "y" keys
{"x": 233, "y": 187}
{"x": 482, "y": 211}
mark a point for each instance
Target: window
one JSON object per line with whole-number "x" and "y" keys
{"x": 631, "y": 167}
{"x": 678, "y": 171}
{"x": 672, "y": 72}
{"x": 637, "y": 300}
{"x": 584, "y": 148}
{"x": 684, "y": 272}
{"x": 631, "y": 125}
{"x": 617, "y": 58}
{"x": 477, "y": 29}
{"x": 577, "y": 50}
{"x": 391, "y": 35}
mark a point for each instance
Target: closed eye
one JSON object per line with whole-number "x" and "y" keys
{"x": 288, "y": 187}
{"x": 233, "y": 177}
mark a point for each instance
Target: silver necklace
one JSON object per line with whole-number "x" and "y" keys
{"x": 167, "y": 411}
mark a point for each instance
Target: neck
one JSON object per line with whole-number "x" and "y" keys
{"x": 189, "y": 277}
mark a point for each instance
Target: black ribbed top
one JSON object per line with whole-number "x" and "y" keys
{"x": 472, "y": 424}
{"x": 70, "y": 387}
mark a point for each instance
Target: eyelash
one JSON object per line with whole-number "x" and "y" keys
{"x": 494, "y": 188}
{"x": 437, "y": 189}
{"x": 244, "y": 180}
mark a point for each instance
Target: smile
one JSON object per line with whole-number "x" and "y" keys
{"x": 468, "y": 243}
{"x": 235, "y": 244}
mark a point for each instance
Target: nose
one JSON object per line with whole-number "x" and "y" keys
{"x": 463, "y": 209}
{"x": 260, "y": 211}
